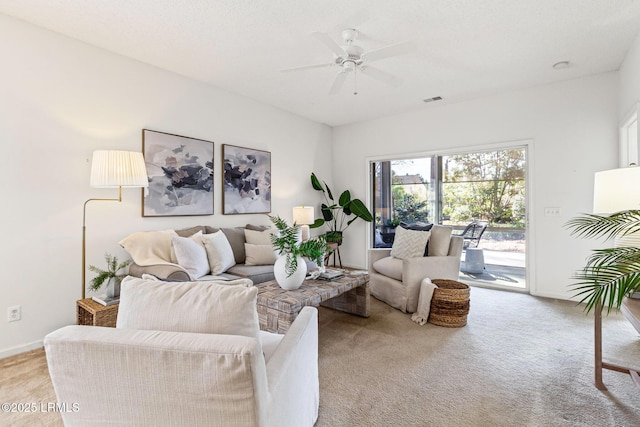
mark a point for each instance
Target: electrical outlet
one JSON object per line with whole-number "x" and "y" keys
{"x": 552, "y": 211}
{"x": 14, "y": 313}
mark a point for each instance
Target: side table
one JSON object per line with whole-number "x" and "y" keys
{"x": 89, "y": 312}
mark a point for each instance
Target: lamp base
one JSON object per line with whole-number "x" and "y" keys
{"x": 305, "y": 233}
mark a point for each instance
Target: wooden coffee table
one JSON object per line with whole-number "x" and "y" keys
{"x": 278, "y": 308}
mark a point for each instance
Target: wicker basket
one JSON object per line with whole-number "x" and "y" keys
{"x": 449, "y": 304}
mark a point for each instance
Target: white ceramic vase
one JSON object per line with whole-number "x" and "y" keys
{"x": 295, "y": 280}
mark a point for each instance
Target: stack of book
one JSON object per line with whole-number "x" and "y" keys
{"x": 104, "y": 300}
{"x": 331, "y": 275}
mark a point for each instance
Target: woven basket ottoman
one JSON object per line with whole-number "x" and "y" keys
{"x": 449, "y": 304}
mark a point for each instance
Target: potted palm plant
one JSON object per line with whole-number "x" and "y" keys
{"x": 338, "y": 216}
{"x": 290, "y": 268}
{"x": 611, "y": 273}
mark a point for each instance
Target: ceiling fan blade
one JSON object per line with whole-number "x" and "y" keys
{"x": 389, "y": 51}
{"x": 338, "y": 82}
{"x": 306, "y": 67}
{"x": 382, "y": 76}
{"x": 328, "y": 41}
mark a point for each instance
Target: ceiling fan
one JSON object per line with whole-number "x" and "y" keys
{"x": 352, "y": 58}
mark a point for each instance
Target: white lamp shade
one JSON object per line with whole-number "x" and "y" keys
{"x": 616, "y": 190}
{"x": 303, "y": 215}
{"x": 118, "y": 169}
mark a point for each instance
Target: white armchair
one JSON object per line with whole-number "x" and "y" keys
{"x": 150, "y": 378}
{"x": 397, "y": 281}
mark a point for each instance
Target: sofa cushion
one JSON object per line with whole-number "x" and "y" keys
{"x": 390, "y": 267}
{"x": 209, "y": 229}
{"x": 236, "y": 239}
{"x": 409, "y": 243}
{"x": 149, "y": 247}
{"x": 259, "y": 254}
{"x": 256, "y": 227}
{"x": 200, "y": 307}
{"x": 440, "y": 240}
{"x": 191, "y": 254}
{"x": 219, "y": 252}
{"x": 254, "y": 237}
{"x": 188, "y": 232}
{"x": 256, "y": 273}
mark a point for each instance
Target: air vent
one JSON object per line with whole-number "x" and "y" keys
{"x": 435, "y": 98}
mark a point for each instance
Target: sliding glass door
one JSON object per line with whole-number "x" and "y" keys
{"x": 486, "y": 188}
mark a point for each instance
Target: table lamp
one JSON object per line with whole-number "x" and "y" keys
{"x": 112, "y": 169}
{"x": 303, "y": 216}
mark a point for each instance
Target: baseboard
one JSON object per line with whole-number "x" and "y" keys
{"x": 554, "y": 295}
{"x": 20, "y": 349}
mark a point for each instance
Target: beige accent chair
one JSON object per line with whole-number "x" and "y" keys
{"x": 397, "y": 281}
{"x": 143, "y": 377}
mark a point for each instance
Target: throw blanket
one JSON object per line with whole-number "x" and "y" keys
{"x": 424, "y": 302}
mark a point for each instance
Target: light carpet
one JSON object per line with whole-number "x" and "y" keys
{"x": 520, "y": 361}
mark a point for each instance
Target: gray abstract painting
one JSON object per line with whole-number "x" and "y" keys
{"x": 180, "y": 171}
{"x": 247, "y": 180}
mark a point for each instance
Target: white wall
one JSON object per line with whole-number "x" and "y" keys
{"x": 59, "y": 101}
{"x": 630, "y": 79}
{"x": 574, "y": 132}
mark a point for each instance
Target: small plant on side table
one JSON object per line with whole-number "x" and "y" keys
{"x": 110, "y": 275}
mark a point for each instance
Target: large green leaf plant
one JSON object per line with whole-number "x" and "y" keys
{"x": 338, "y": 216}
{"x": 611, "y": 273}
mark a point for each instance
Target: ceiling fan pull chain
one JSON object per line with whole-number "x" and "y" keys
{"x": 355, "y": 83}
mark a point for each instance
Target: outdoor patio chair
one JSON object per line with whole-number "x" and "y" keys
{"x": 473, "y": 233}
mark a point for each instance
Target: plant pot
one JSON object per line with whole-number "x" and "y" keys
{"x": 113, "y": 288}
{"x": 334, "y": 237}
{"x": 295, "y": 280}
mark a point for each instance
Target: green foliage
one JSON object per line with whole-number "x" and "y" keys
{"x": 486, "y": 185}
{"x": 287, "y": 243}
{"x": 338, "y": 216}
{"x": 111, "y": 272}
{"x": 408, "y": 207}
{"x": 613, "y": 273}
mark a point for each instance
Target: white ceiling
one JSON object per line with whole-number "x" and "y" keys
{"x": 465, "y": 48}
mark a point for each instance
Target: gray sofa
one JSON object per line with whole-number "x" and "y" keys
{"x": 236, "y": 238}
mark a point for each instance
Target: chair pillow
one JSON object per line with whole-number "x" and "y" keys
{"x": 260, "y": 254}
{"x": 440, "y": 240}
{"x": 191, "y": 254}
{"x": 149, "y": 247}
{"x": 409, "y": 243}
{"x": 200, "y": 307}
{"x": 219, "y": 253}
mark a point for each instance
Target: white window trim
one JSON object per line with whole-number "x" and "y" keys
{"x": 629, "y": 141}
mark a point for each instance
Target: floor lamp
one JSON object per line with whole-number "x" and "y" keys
{"x": 614, "y": 190}
{"x": 112, "y": 169}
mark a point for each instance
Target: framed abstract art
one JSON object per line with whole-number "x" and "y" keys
{"x": 246, "y": 180}
{"x": 180, "y": 171}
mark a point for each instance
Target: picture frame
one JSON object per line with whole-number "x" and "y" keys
{"x": 246, "y": 180}
{"x": 180, "y": 172}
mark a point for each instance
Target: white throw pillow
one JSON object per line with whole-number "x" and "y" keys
{"x": 409, "y": 243}
{"x": 254, "y": 237}
{"x": 191, "y": 254}
{"x": 219, "y": 252}
{"x": 149, "y": 247}
{"x": 260, "y": 254}
{"x": 200, "y": 307}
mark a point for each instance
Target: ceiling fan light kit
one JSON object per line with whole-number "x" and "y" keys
{"x": 352, "y": 58}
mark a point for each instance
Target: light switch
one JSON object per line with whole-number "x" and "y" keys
{"x": 552, "y": 211}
